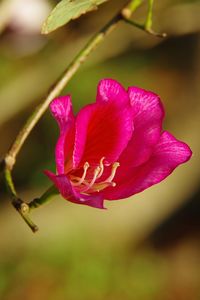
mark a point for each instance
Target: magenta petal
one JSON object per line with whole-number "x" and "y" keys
{"x": 111, "y": 90}
{"x": 69, "y": 193}
{"x": 148, "y": 114}
{"x": 167, "y": 155}
{"x": 63, "y": 151}
{"x": 61, "y": 109}
{"x": 102, "y": 130}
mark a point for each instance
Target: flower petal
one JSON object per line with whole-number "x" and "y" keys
{"x": 111, "y": 90}
{"x": 64, "y": 150}
{"x": 102, "y": 130}
{"x": 69, "y": 193}
{"x": 148, "y": 114}
{"x": 61, "y": 109}
{"x": 167, "y": 155}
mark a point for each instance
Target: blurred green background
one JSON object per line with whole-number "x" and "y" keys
{"x": 144, "y": 248}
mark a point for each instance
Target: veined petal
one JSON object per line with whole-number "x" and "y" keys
{"x": 102, "y": 130}
{"x": 111, "y": 90}
{"x": 167, "y": 155}
{"x": 69, "y": 193}
{"x": 61, "y": 109}
{"x": 148, "y": 114}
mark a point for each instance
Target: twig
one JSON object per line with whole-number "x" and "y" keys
{"x": 57, "y": 88}
{"x": 148, "y": 22}
{"x": 19, "y": 205}
{"x": 52, "y": 191}
{"x": 147, "y": 27}
{"x": 143, "y": 27}
{"x": 9, "y": 161}
{"x": 131, "y": 7}
{"x": 10, "y": 158}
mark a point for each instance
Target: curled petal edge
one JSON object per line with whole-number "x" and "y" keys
{"x": 65, "y": 188}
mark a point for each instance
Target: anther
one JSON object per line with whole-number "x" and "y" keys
{"x": 113, "y": 172}
{"x": 101, "y": 165}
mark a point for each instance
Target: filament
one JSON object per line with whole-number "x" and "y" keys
{"x": 96, "y": 173}
{"x": 101, "y": 165}
{"x": 82, "y": 179}
{"x": 86, "y": 185}
{"x": 113, "y": 172}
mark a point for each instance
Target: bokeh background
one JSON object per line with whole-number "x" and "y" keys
{"x": 144, "y": 248}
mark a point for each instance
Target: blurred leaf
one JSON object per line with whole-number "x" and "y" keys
{"x": 67, "y": 10}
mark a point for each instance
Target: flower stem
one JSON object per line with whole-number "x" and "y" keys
{"x": 19, "y": 205}
{"x": 52, "y": 191}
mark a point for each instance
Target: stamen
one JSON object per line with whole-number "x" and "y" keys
{"x": 96, "y": 173}
{"x": 108, "y": 182}
{"x": 81, "y": 180}
{"x": 94, "y": 186}
{"x": 113, "y": 172}
{"x": 101, "y": 165}
{"x": 102, "y": 185}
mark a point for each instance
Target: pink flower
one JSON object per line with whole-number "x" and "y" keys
{"x": 113, "y": 148}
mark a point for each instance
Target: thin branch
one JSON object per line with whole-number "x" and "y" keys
{"x": 147, "y": 27}
{"x": 148, "y": 22}
{"x": 19, "y": 205}
{"x": 143, "y": 28}
{"x": 131, "y": 8}
{"x": 57, "y": 88}
{"x": 46, "y": 197}
{"x": 9, "y": 161}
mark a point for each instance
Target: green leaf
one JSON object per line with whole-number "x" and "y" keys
{"x": 67, "y": 10}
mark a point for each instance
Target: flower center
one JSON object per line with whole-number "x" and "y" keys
{"x": 91, "y": 185}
